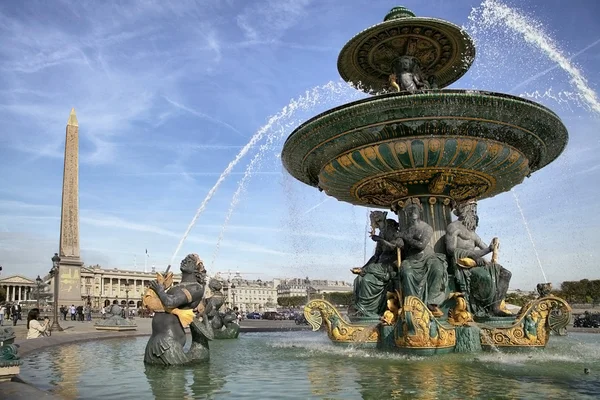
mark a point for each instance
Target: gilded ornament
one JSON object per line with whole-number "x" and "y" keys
{"x": 420, "y": 329}
{"x": 370, "y": 153}
{"x": 401, "y": 147}
{"x": 530, "y": 328}
{"x": 434, "y": 145}
{"x": 459, "y": 315}
{"x": 339, "y": 330}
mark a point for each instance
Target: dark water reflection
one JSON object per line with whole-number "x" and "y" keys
{"x": 306, "y": 365}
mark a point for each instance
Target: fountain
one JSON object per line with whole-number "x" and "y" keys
{"x": 423, "y": 152}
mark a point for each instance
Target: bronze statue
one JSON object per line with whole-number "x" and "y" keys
{"x": 483, "y": 283}
{"x": 371, "y": 284}
{"x": 174, "y": 311}
{"x": 114, "y": 320}
{"x": 224, "y": 324}
{"x": 409, "y": 76}
{"x": 423, "y": 273}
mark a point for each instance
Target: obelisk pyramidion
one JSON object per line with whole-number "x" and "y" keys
{"x": 69, "y": 291}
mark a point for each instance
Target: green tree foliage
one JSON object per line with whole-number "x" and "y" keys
{"x": 583, "y": 291}
{"x": 292, "y": 301}
{"x": 518, "y": 299}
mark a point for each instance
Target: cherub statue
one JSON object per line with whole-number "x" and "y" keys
{"x": 408, "y": 74}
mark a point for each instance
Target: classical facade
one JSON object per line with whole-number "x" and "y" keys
{"x": 302, "y": 287}
{"x": 19, "y": 288}
{"x": 251, "y": 295}
{"x": 99, "y": 284}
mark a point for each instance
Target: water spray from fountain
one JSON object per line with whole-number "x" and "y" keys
{"x": 313, "y": 97}
{"x": 494, "y": 14}
{"x": 537, "y": 256}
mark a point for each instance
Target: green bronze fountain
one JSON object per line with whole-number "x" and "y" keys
{"x": 424, "y": 152}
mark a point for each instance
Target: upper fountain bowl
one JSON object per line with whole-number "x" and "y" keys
{"x": 444, "y": 52}
{"x": 463, "y": 144}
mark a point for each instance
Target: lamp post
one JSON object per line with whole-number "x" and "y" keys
{"x": 232, "y": 296}
{"x": 54, "y": 272}
{"x": 38, "y": 282}
{"x": 127, "y": 299}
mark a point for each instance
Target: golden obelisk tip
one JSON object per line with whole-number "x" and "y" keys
{"x": 72, "y": 118}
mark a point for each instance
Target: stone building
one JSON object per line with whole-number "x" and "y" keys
{"x": 100, "y": 284}
{"x": 19, "y": 288}
{"x": 251, "y": 295}
{"x": 300, "y": 287}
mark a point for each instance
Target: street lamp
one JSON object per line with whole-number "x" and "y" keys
{"x": 127, "y": 299}
{"x": 232, "y": 296}
{"x": 54, "y": 273}
{"x": 38, "y": 282}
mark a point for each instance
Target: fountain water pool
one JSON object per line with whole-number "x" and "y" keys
{"x": 303, "y": 365}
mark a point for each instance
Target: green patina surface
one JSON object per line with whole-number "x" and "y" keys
{"x": 492, "y": 140}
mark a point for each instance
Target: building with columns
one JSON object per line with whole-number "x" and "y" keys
{"x": 249, "y": 294}
{"x": 300, "y": 287}
{"x": 97, "y": 285}
{"x": 18, "y": 288}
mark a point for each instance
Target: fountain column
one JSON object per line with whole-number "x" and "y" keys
{"x": 437, "y": 212}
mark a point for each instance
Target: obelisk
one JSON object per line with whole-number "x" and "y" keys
{"x": 69, "y": 291}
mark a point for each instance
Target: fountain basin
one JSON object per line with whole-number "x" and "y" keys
{"x": 303, "y": 365}
{"x": 464, "y": 144}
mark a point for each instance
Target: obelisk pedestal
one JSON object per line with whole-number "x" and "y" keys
{"x": 69, "y": 291}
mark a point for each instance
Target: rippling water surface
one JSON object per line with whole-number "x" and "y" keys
{"x": 306, "y": 365}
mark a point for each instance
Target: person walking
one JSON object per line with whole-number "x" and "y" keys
{"x": 73, "y": 311}
{"x": 16, "y": 313}
{"x": 2, "y": 312}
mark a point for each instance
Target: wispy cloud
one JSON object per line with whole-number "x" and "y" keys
{"x": 271, "y": 20}
{"x": 201, "y": 115}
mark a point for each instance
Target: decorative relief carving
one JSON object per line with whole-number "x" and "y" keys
{"x": 382, "y": 191}
{"x": 69, "y": 240}
{"x": 460, "y": 185}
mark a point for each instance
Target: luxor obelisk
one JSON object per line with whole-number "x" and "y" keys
{"x": 69, "y": 291}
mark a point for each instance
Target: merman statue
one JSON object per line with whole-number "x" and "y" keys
{"x": 173, "y": 307}
{"x": 484, "y": 283}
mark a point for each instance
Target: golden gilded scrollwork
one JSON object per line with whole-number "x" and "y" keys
{"x": 390, "y": 316}
{"x": 420, "y": 329}
{"x": 385, "y": 190}
{"x": 532, "y": 325}
{"x": 339, "y": 330}
{"x": 382, "y": 191}
{"x": 460, "y": 315}
{"x": 439, "y": 183}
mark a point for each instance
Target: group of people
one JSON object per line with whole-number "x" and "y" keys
{"x": 405, "y": 262}
{"x": 10, "y": 312}
{"x": 79, "y": 313}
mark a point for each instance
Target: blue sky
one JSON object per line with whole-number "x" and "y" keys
{"x": 167, "y": 93}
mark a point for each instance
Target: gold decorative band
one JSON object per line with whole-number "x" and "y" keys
{"x": 187, "y": 293}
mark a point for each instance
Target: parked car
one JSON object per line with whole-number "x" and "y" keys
{"x": 253, "y": 315}
{"x": 272, "y": 315}
{"x": 587, "y": 321}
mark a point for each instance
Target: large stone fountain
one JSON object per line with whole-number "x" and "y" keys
{"x": 424, "y": 152}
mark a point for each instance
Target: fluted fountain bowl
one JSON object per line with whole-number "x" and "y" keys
{"x": 464, "y": 144}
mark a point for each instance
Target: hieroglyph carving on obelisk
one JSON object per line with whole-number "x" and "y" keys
{"x": 70, "y": 263}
